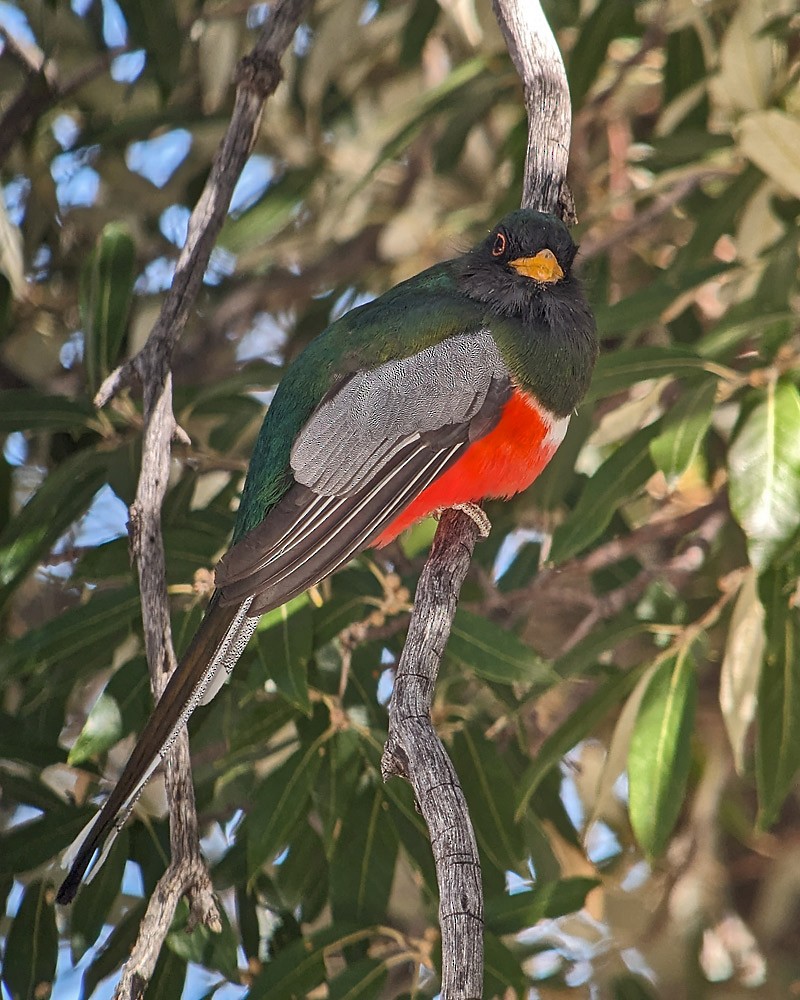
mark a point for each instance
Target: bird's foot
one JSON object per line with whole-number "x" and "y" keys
{"x": 476, "y": 514}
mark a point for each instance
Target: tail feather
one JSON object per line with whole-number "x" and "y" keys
{"x": 217, "y": 645}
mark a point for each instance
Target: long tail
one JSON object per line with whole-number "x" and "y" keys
{"x": 212, "y": 654}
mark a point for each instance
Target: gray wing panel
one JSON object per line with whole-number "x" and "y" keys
{"x": 378, "y": 412}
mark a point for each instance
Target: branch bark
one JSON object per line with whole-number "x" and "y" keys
{"x": 258, "y": 76}
{"x": 413, "y": 750}
{"x": 535, "y": 53}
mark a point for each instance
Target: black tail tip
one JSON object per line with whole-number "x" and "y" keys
{"x": 69, "y": 887}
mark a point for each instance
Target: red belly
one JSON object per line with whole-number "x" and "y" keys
{"x": 501, "y": 464}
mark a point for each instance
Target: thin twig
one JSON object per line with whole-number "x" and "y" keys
{"x": 43, "y": 87}
{"x": 660, "y": 206}
{"x": 674, "y": 572}
{"x": 258, "y": 76}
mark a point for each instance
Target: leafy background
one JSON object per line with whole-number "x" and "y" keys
{"x": 620, "y": 695}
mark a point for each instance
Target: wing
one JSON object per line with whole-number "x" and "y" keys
{"x": 376, "y": 441}
{"x": 373, "y": 444}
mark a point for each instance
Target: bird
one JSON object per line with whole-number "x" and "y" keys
{"x": 454, "y": 386}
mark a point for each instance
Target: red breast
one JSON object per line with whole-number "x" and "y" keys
{"x": 504, "y": 462}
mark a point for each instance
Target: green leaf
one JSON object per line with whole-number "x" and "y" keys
{"x": 255, "y": 376}
{"x": 31, "y": 948}
{"x": 419, "y": 24}
{"x": 27, "y": 789}
{"x": 362, "y": 867}
{"x": 154, "y": 27}
{"x": 618, "y": 370}
{"x": 285, "y": 639}
{"x": 31, "y": 410}
{"x": 608, "y": 20}
{"x": 684, "y": 429}
{"x": 62, "y": 498}
{"x": 741, "y": 666}
{"x": 300, "y": 967}
{"x": 616, "y": 481}
{"x": 647, "y": 306}
{"x": 203, "y": 946}
{"x": 92, "y": 909}
{"x": 105, "y": 299}
{"x": 435, "y": 100}
{"x": 771, "y": 139}
{"x": 495, "y": 653}
{"x": 363, "y": 980}
{"x": 101, "y": 731}
{"x": 95, "y": 624}
{"x": 279, "y": 802}
{"x": 764, "y": 471}
{"x": 511, "y": 914}
{"x": 489, "y": 788}
{"x": 116, "y": 949}
{"x": 579, "y": 724}
{"x": 25, "y": 847}
{"x": 503, "y": 972}
{"x": 129, "y": 688}
{"x": 301, "y": 880}
{"x": 660, "y": 751}
{"x": 169, "y": 976}
{"x": 336, "y": 783}
{"x": 778, "y": 713}
{"x": 17, "y": 742}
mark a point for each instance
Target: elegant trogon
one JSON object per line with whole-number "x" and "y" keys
{"x": 453, "y": 386}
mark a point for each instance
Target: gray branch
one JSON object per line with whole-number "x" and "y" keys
{"x": 413, "y": 750}
{"x": 535, "y": 53}
{"x": 258, "y": 76}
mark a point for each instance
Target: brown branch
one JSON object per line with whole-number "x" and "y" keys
{"x": 632, "y": 544}
{"x": 659, "y": 207}
{"x": 258, "y": 76}
{"x": 675, "y": 571}
{"x": 42, "y": 88}
{"x": 413, "y": 750}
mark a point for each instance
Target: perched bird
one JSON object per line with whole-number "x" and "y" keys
{"x": 453, "y": 386}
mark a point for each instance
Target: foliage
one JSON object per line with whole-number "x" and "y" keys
{"x": 645, "y": 614}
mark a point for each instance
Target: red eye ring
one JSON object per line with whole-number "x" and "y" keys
{"x": 500, "y": 244}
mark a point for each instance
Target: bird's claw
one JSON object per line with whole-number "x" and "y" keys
{"x": 474, "y": 513}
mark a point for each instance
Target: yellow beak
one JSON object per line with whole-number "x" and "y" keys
{"x": 542, "y": 267}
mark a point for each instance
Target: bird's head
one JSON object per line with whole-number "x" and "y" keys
{"x": 525, "y": 256}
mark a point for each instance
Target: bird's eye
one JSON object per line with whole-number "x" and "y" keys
{"x": 499, "y": 247}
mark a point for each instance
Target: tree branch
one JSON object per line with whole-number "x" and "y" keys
{"x": 42, "y": 88}
{"x": 258, "y": 76}
{"x": 413, "y": 750}
{"x": 534, "y": 50}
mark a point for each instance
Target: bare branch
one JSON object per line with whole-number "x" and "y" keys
{"x": 42, "y": 89}
{"x": 414, "y": 751}
{"x": 258, "y": 76}
{"x": 536, "y": 55}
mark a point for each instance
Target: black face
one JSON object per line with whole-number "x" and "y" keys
{"x": 525, "y": 256}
